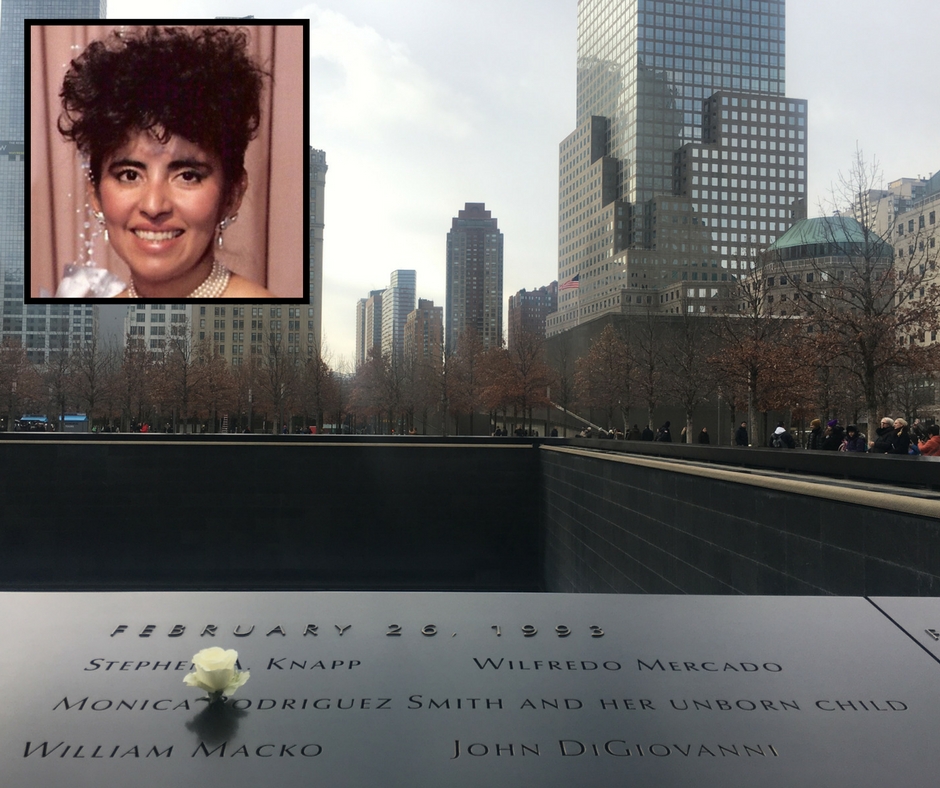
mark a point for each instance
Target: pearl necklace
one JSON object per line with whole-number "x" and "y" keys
{"x": 213, "y": 286}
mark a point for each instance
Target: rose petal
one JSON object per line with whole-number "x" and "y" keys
{"x": 237, "y": 681}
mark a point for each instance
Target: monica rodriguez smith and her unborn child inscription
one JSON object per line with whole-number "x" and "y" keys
{"x": 431, "y": 689}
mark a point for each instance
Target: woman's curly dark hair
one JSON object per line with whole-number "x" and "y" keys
{"x": 199, "y": 84}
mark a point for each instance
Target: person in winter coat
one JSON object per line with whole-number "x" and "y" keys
{"x": 882, "y": 442}
{"x": 931, "y": 446}
{"x": 664, "y": 434}
{"x": 834, "y": 435}
{"x": 647, "y": 434}
{"x": 703, "y": 436}
{"x": 900, "y": 438}
{"x": 815, "y": 439}
{"x": 782, "y": 439}
{"x": 854, "y": 440}
{"x": 740, "y": 435}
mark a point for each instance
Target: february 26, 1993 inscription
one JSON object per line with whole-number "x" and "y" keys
{"x": 410, "y": 689}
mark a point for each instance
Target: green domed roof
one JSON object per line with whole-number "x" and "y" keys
{"x": 830, "y": 236}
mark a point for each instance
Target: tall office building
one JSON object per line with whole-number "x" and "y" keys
{"x": 474, "y": 277}
{"x": 681, "y": 120}
{"x": 151, "y": 326}
{"x": 398, "y": 300}
{"x": 317, "y": 167}
{"x": 40, "y": 328}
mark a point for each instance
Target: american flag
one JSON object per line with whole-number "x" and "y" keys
{"x": 571, "y": 284}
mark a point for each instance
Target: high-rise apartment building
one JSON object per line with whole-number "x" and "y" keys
{"x": 424, "y": 333}
{"x": 398, "y": 300}
{"x": 687, "y": 154}
{"x": 474, "y": 277}
{"x": 528, "y": 310}
{"x": 39, "y": 328}
{"x": 317, "y": 170}
{"x": 368, "y": 326}
{"x": 360, "y": 331}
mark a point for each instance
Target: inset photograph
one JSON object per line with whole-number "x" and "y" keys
{"x": 168, "y": 162}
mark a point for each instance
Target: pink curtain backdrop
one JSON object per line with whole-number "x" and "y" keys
{"x": 265, "y": 245}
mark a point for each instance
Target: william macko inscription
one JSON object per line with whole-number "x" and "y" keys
{"x": 225, "y": 749}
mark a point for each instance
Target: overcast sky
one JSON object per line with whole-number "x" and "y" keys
{"x": 423, "y": 105}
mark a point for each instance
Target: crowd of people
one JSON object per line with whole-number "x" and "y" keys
{"x": 893, "y": 436}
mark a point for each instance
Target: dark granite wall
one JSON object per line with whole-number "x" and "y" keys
{"x": 287, "y": 513}
{"x": 293, "y": 512}
{"x": 617, "y": 528}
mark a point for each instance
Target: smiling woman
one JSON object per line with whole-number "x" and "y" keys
{"x": 162, "y": 118}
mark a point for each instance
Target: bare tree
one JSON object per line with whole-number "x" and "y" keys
{"x": 342, "y": 395}
{"x": 180, "y": 376}
{"x": 647, "y": 358}
{"x": 496, "y": 378}
{"x": 134, "y": 382}
{"x": 20, "y": 385}
{"x": 244, "y": 384}
{"x": 316, "y": 383}
{"x": 690, "y": 377}
{"x": 278, "y": 375}
{"x": 604, "y": 375}
{"x": 58, "y": 381}
{"x": 374, "y": 394}
{"x": 755, "y": 351}
{"x": 215, "y": 389}
{"x": 561, "y": 358}
{"x": 530, "y": 376}
{"x": 872, "y": 303}
{"x": 464, "y": 381}
{"x": 91, "y": 367}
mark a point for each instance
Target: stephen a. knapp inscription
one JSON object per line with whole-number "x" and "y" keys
{"x": 389, "y": 689}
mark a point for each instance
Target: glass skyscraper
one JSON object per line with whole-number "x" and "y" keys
{"x": 648, "y": 65}
{"x": 40, "y": 327}
{"x": 398, "y": 301}
{"x": 658, "y": 83}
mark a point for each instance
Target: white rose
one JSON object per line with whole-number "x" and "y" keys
{"x": 215, "y": 671}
